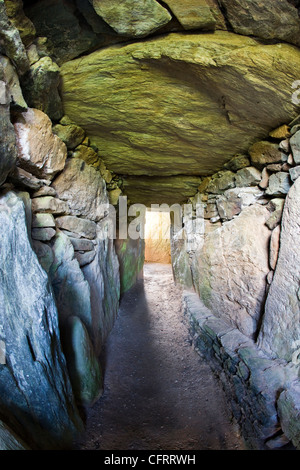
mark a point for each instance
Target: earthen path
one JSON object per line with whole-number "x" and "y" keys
{"x": 159, "y": 394}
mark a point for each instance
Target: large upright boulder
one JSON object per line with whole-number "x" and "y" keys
{"x": 268, "y": 19}
{"x": 280, "y": 330}
{"x": 36, "y": 397}
{"x": 180, "y": 104}
{"x": 79, "y": 178}
{"x": 230, "y": 270}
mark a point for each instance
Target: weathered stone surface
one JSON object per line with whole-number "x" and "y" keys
{"x": 279, "y": 184}
{"x": 280, "y": 330}
{"x": 133, "y": 18}
{"x": 71, "y": 289}
{"x": 180, "y": 260}
{"x": 11, "y": 42}
{"x": 131, "y": 256}
{"x": 71, "y": 135}
{"x": 294, "y": 173}
{"x": 268, "y": 19}
{"x": 237, "y": 163}
{"x": 98, "y": 25}
{"x": 249, "y": 176}
{"x": 83, "y": 227}
{"x": 58, "y": 21}
{"x": 251, "y": 380}
{"x": 83, "y": 366}
{"x": 15, "y": 13}
{"x": 34, "y": 361}
{"x": 24, "y": 179}
{"x": 84, "y": 258}
{"x": 289, "y": 410}
{"x": 44, "y": 191}
{"x": 295, "y": 146}
{"x": 44, "y": 234}
{"x": 78, "y": 179}
{"x": 82, "y": 244}
{"x": 156, "y": 190}
{"x": 91, "y": 293}
{"x": 228, "y": 209}
{"x": 284, "y": 145}
{"x": 40, "y": 151}
{"x": 103, "y": 276}
{"x": 114, "y": 196}
{"x": 8, "y": 148}
{"x": 276, "y": 207}
{"x": 40, "y": 88}
{"x": 9, "y": 440}
{"x": 234, "y": 260}
{"x": 265, "y": 175}
{"x": 194, "y": 14}
{"x": 88, "y": 155}
{"x": 281, "y": 132}
{"x": 44, "y": 254}
{"x": 163, "y": 130}
{"x": 49, "y": 204}
{"x": 274, "y": 246}
{"x": 221, "y": 181}
{"x": 264, "y": 152}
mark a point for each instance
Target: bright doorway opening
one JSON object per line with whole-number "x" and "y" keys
{"x": 157, "y": 237}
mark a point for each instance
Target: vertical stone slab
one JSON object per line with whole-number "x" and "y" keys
{"x": 280, "y": 331}
{"x": 35, "y": 388}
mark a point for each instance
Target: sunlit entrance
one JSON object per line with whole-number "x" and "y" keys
{"x": 157, "y": 237}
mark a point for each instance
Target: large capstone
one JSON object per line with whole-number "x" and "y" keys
{"x": 180, "y": 104}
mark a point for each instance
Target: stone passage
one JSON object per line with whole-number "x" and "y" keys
{"x": 159, "y": 394}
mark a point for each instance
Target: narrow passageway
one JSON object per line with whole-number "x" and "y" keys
{"x": 159, "y": 394}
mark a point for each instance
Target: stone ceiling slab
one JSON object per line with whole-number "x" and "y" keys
{"x": 180, "y": 104}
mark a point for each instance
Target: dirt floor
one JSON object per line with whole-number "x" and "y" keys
{"x": 158, "y": 392}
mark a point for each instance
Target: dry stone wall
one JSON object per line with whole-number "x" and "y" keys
{"x": 244, "y": 315}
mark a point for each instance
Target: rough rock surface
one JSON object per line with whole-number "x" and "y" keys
{"x": 103, "y": 277}
{"x": 11, "y": 42}
{"x": 83, "y": 365}
{"x": 79, "y": 178}
{"x": 71, "y": 289}
{"x": 211, "y": 97}
{"x": 195, "y": 14}
{"x": 35, "y": 389}
{"x": 279, "y": 334}
{"x": 267, "y": 19}
{"x": 8, "y": 149}
{"x": 9, "y": 440}
{"x": 39, "y": 151}
{"x": 15, "y": 13}
{"x": 229, "y": 272}
{"x": 41, "y": 87}
{"x": 57, "y": 20}
{"x": 132, "y": 18}
{"x": 131, "y": 255}
{"x": 289, "y": 409}
{"x": 252, "y": 381}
